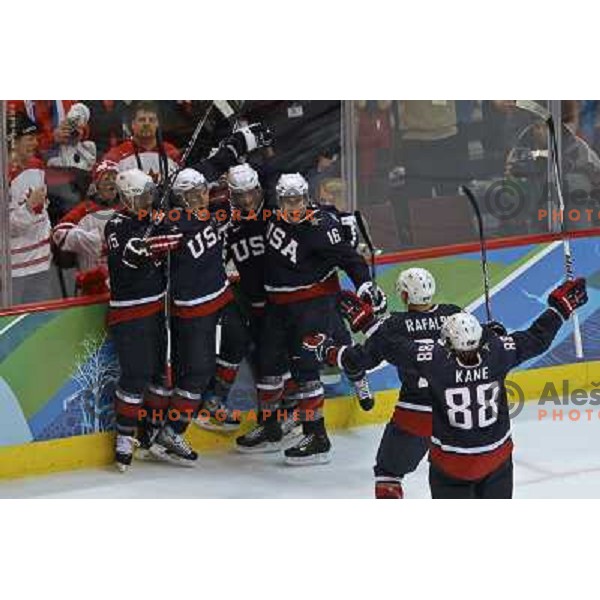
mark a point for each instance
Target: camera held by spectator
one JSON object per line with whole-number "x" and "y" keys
{"x": 72, "y": 149}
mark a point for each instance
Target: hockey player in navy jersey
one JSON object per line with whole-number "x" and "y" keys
{"x": 304, "y": 249}
{"x": 406, "y": 437}
{"x": 241, "y": 322}
{"x": 200, "y": 291}
{"x": 471, "y": 443}
{"x": 135, "y": 317}
{"x": 138, "y": 287}
{"x": 245, "y": 248}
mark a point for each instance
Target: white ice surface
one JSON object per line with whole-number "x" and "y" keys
{"x": 552, "y": 460}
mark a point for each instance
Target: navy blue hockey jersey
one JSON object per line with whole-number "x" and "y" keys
{"x": 302, "y": 258}
{"x": 413, "y": 409}
{"x": 245, "y": 246}
{"x": 199, "y": 283}
{"x": 471, "y": 426}
{"x": 135, "y": 291}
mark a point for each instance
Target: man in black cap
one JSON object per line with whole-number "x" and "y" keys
{"x": 29, "y": 221}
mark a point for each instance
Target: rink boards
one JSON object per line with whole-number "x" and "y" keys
{"x": 58, "y": 369}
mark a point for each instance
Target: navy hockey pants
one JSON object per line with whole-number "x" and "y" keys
{"x": 399, "y": 452}
{"x": 496, "y": 485}
{"x": 283, "y": 328}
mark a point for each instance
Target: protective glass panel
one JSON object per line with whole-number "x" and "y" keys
{"x": 412, "y": 157}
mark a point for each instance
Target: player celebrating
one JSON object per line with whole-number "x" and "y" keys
{"x": 405, "y": 438}
{"x": 135, "y": 318}
{"x": 305, "y": 246}
{"x": 199, "y": 291}
{"x": 244, "y": 246}
{"x": 471, "y": 444}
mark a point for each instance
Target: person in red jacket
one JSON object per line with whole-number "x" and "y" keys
{"x": 145, "y": 151}
{"x": 81, "y": 230}
{"x": 48, "y": 115}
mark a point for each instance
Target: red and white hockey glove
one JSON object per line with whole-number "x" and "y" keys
{"x": 568, "y": 296}
{"x": 357, "y": 312}
{"x": 92, "y": 282}
{"x": 161, "y": 244}
{"x": 323, "y": 347}
{"x": 374, "y": 295}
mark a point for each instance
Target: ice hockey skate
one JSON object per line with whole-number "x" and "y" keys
{"x": 172, "y": 447}
{"x": 124, "y": 448}
{"x": 264, "y": 438}
{"x": 313, "y": 449}
{"x": 220, "y": 417}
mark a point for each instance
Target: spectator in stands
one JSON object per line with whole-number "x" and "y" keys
{"x": 431, "y": 150}
{"x": 374, "y": 149}
{"x": 580, "y": 170}
{"x": 48, "y": 116}
{"x": 63, "y": 145}
{"x": 29, "y": 222}
{"x": 80, "y": 233}
{"x": 433, "y": 154}
{"x": 145, "y": 150}
{"x": 327, "y": 167}
{"x": 69, "y": 162}
{"x": 502, "y": 122}
{"x": 73, "y": 150}
{"x": 332, "y": 192}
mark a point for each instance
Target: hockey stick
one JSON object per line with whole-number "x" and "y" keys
{"x": 546, "y": 116}
{"x": 364, "y": 231}
{"x": 361, "y": 387}
{"x": 483, "y": 249}
{"x": 169, "y": 180}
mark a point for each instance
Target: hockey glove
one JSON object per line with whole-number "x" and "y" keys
{"x": 496, "y": 327}
{"x": 92, "y": 282}
{"x": 160, "y": 244}
{"x": 374, "y": 295}
{"x": 358, "y": 313}
{"x": 249, "y": 138}
{"x": 136, "y": 253}
{"x": 322, "y": 347}
{"x": 568, "y": 296}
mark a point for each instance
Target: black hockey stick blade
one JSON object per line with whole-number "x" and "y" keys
{"x": 482, "y": 243}
{"x": 364, "y": 231}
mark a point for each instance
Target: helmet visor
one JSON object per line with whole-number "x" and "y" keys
{"x": 293, "y": 207}
{"x": 246, "y": 201}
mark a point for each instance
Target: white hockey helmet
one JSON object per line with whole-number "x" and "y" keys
{"x": 136, "y": 190}
{"x": 292, "y": 197}
{"x": 242, "y": 178}
{"x": 418, "y": 284}
{"x": 462, "y": 332}
{"x": 190, "y": 188}
{"x": 245, "y": 189}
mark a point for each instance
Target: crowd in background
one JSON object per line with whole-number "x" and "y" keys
{"x": 411, "y": 159}
{"x": 64, "y": 156}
